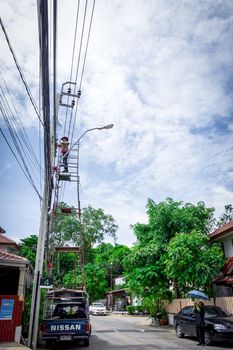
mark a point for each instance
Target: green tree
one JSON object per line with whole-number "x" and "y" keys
{"x": 95, "y": 282}
{"x": 66, "y": 266}
{"x": 170, "y": 217}
{"x": 144, "y": 271}
{"x": 27, "y": 247}
{"x": 193, "y": 262}
{"x": 72, "y": 280}
{"x": 227, "y": 216}
{"x": 95, "y": 226}
{"x": 111, "y": 258}
{"x": 146, "y": 265}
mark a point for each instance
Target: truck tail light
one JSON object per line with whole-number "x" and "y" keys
{"x": 43, "y": 328}
{"x": 87, "y": 327}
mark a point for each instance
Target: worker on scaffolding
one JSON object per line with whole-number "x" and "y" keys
{"x": 64, "y": 148}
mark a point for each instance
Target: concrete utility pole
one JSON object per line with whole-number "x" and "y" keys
{"x": 44, "y": 54}
{"x": 35, "y": 307}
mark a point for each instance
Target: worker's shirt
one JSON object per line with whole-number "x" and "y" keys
{"x": 64, "y": 146}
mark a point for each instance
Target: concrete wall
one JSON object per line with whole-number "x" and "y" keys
{"x": 176, "y": 305}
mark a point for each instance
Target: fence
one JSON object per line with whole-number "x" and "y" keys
{"x": 176, "y": 305}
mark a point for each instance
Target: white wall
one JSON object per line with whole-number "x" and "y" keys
{"x": 228, "y": 247}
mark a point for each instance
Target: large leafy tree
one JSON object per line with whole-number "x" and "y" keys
{"x": 146, "y": 265}
{"x": 144, "y": 270}
{"x": 192, "y": 261}
{"x": 110, "y": 258}
{"x": 170, "y": 217}
{"x": 94, "y": 227}
{"x": 95, "y": 281}
{"x": 67, "y": 230}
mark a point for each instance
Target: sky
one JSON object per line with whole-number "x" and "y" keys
{"x": 161, "y": 72}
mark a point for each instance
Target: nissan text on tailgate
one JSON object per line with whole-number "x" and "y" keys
{"x": 70, "y": 322}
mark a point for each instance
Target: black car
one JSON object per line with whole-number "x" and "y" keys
{"x": 218, "y": 324}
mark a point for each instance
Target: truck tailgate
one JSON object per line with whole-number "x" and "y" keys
{"x": 65, "y": 327}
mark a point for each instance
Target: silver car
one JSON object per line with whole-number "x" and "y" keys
{"x": 98, "y": 309}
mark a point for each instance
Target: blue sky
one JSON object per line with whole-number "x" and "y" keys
{"x": 161, "y": 72}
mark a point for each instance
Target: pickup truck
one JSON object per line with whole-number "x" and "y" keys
{"x": 70, "y": 322}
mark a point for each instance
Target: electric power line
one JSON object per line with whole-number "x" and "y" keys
{"x": 20, "y": 72}
{"x": 32, "y": 184}
{"x": 19, "y": 125}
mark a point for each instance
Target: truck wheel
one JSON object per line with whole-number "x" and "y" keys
{"x": 49, "y": 344}
{"x": 86, "y": 342}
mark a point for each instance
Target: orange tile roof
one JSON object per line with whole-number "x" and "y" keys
{"x": 6, "y": 240}
{"x": 4, "y": 256}
{"x": 221, "y": 231}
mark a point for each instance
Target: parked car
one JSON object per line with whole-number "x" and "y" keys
{"x": 98, "y": 309}
{"x": 218, "y": 324}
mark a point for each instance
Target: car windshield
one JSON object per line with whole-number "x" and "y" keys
{"x": 98, "y": 305}
{"x": 216, "y": 312}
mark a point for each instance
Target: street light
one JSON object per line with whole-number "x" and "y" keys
{"x": 108, "y": 126}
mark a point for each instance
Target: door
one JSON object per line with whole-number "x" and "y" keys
{"x": 10, "y": 316}
{"x": 188, "y": 321}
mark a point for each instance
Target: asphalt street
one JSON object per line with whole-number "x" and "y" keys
{"x": 121, "y": 332}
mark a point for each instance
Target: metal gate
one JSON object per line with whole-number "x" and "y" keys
{"x": 11, "y": 309}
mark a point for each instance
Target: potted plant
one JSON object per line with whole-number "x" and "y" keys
{"x": 163, "y": 317}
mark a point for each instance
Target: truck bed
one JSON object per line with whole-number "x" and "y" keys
{"x": 67, "y": 326}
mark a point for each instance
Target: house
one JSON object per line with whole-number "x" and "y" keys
{"x": 223, "y": 284}
{"x": 117, "y": 300}
{"x": 15, "y": 279}
{"x": 7, "y": 244}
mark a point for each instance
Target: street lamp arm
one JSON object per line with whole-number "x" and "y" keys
{"x": 108, "y": 126}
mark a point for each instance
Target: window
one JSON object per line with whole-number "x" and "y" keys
{"x": 187, "y": 311}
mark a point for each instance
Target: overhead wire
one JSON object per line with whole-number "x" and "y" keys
{"x": 81, "y": 41}
{"x": 69, "y": 129}
{"x": 84, "y": 63}
{"x": 87, "y": 44}
{"x": 17, "y": 137}
{"x": 25, "y": 168}
{"x": 19, "y": 125}
{"x": 72, "y": 60}
{"x": 25, "y": 173}
{"x": 28, "y": 93}
{"x": 20, "y": 72}
{"x": 79, "y": 56}
{"x": 70, "y": 79}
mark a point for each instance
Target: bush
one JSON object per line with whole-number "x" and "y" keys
{"x": 139, "y": 309}
{"x": 131, "y": 309}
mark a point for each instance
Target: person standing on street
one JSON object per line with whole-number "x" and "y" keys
{"x": 200, "y": 321}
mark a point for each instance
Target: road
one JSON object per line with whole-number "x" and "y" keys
{"x": 120, "y": 332}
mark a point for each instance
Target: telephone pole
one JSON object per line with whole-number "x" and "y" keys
{"x": 45, "y": 207}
